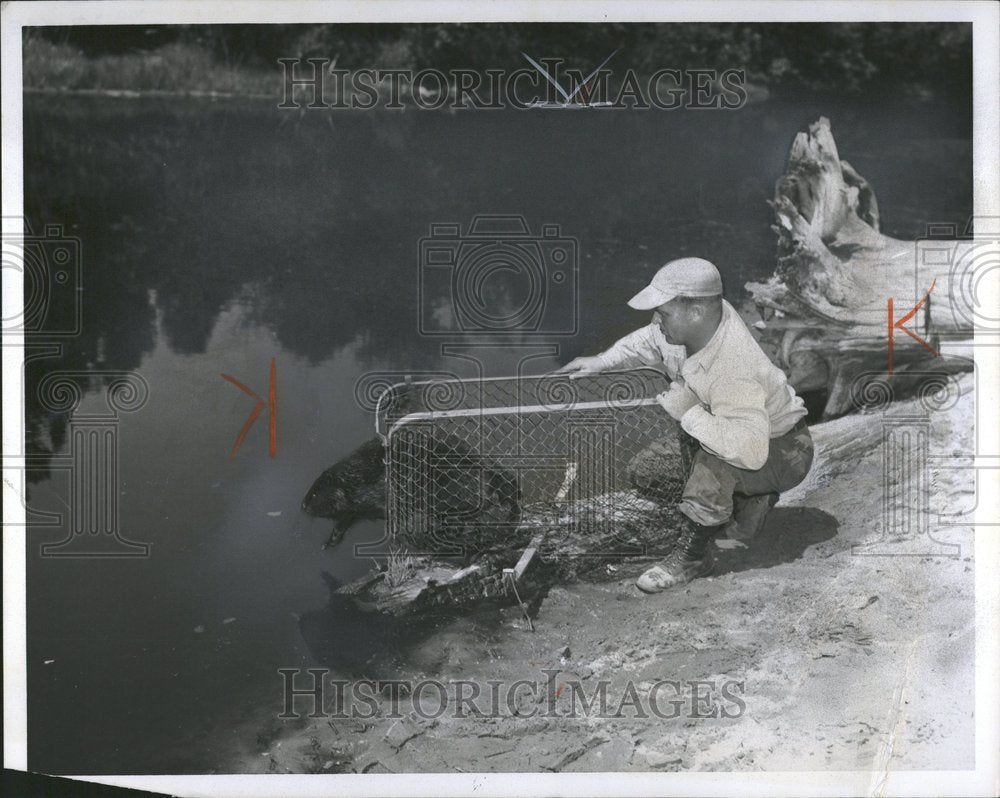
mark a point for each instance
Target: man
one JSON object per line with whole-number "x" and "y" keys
{"x": 728, "y": 396}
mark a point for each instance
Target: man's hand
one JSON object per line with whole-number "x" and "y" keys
{"x": 663, "y": 399}
{"x": 676, "y": 401}
{"x": 580, "y": 366}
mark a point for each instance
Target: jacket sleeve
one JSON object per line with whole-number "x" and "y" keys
{"x": 635, "y": 349}
{"x": 678, "y": 399}
{"x": 737, "y": 428}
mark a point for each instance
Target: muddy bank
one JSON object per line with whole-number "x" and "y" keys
{"x": 830, "y": 643}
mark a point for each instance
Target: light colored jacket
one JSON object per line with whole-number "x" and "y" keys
{"x": 728, "y": 395}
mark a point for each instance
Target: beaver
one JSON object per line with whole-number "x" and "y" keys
{"x": 476, "y": 504}
{"x": 351, "y": 490}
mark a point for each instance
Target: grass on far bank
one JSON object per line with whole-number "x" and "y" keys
{"x": 177, "y": 67}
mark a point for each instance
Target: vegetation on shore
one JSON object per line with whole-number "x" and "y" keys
{"x": 901, "y": 59}
{"x": 174, "y": 67}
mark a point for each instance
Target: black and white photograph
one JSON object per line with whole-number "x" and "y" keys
{"x": 501, "y": 399}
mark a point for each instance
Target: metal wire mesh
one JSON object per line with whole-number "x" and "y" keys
{"x": 480, "y": 465}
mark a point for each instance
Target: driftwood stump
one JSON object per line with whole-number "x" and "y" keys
{"x": 826, "y": 310}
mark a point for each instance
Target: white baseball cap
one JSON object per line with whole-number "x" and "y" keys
{"x": 682, "y": 277}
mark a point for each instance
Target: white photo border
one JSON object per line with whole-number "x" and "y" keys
{"x": 984, "y": 16}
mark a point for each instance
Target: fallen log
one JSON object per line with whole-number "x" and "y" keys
{"x": 832, "y": 311}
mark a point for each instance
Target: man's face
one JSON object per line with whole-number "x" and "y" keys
{"x": 675, "y": 321}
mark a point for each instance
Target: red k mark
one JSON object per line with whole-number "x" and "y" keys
{"x": 898, "y": 325}
{"x": 272, "y": 408}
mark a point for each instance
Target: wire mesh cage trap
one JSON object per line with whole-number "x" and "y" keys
{"x": 480, "y": 465}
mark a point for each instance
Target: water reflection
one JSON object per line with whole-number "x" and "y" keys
{"x": 356, "y": 643}
{"x": 350, "y": 641}
{"x": 314, "y": 226}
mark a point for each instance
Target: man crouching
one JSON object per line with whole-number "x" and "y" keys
{"x": 728, "y": 396}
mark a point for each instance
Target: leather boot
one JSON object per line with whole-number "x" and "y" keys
{"x": 690, "y": 558}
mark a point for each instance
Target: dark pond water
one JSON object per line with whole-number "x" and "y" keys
{"x": 217, "y": 236}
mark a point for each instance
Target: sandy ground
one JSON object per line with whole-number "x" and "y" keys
{"x": 841, "y": 657}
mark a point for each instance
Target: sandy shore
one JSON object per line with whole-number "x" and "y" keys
{"x": 803, "y": 651}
